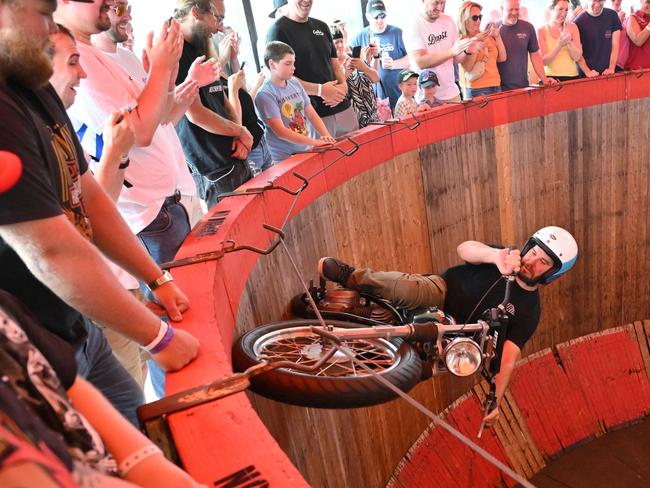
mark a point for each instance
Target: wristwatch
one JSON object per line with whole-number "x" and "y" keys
{"x": 166, "y": 277}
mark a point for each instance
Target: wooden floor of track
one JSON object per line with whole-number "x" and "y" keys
{"x": 619, "y": 459}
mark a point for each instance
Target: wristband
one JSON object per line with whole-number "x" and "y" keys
{"x": 467, "y": 52}
{"x": 320, "y": 90}
{"x": 162, "y": 330}
{"x": 125, "y": 161}
{"x": 166, "y": 340}
{"x": 136, "y": 458}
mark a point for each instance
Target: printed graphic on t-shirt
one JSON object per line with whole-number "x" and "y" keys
{"x": 72, "y": 202}
{"x": 294, "y": 112}
{"x": 435, "y": 38}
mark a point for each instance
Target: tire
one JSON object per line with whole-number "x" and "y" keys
{"x": 337, "y": 386}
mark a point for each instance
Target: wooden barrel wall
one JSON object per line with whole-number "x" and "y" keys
{"x": 574, "y": 157}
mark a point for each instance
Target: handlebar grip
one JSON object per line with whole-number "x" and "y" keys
{"x": 424, "y": 332}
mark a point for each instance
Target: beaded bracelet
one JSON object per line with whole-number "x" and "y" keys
{"x": 136, "y": 458}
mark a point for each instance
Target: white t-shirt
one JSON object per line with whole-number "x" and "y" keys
{"x": 434, "y": 37}
{"x": 156, "y": 171}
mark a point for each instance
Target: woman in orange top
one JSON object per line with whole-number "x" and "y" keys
{"x": 559, "y": 43}
{"x": 479, "y": 74}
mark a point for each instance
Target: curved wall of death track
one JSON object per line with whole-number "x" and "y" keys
{"x": 575, "y": 157}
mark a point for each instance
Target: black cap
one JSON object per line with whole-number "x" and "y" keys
{"x": 276, "y": 5}
{"x": 428, "y": 78}
{"x": 375, "y": 7}
{"x": 406, "y": 74}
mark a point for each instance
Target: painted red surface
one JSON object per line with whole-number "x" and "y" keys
{"x": 439, "y": 459}
{"x": 225, "y": 437}
{"x": 608, "y": 369}
{"x": 556, "y": 412}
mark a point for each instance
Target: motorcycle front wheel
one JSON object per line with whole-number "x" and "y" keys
{"x": 338, "y": 383}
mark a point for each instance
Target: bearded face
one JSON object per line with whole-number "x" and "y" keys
{"x": 25, "y": 59}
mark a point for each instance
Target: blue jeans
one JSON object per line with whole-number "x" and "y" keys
{"x": 96, "y": 363}
{"x": 210, "y": 187}
{"x": 162, "y": 238}
{"x": 260, "y": 157}
{"x": 479, "y": 92}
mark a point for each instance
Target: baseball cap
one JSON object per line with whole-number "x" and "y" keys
{"x": 428, "y": 78}
{"x": 375, "y": 7}
{"x": 406, "y": 74}
{"x": 276, "y": 5}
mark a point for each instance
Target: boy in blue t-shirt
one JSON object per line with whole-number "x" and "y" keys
{"x": 284, "y": 106}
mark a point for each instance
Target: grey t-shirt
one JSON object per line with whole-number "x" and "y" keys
{"x": 519, "y": 39}
{"x": 287, "y": 104}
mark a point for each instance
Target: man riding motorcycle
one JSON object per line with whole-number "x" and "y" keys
{"x": 465, "y": 290}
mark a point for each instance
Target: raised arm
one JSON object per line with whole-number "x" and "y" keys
{"x": 474, "y": 252}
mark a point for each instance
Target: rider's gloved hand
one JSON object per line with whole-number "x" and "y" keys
{"x": 508, "y": 261}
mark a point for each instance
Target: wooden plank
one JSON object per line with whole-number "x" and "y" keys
{"x": 608, "y": 368}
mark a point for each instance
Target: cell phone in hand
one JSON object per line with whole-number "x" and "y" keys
{"x": 356, "y": 52}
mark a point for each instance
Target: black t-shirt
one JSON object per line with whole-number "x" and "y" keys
{"x": 314, "y": 48}
{"x": 209, "y": 153}
{"x": 467, "y": 283}
{"x": 35, "y": 126}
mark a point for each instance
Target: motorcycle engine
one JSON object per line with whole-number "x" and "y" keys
{"x": 351, "y": 301}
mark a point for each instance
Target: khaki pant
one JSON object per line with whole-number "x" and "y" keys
{"x": 128, "y": 352}
{"x": 403, "y": 290}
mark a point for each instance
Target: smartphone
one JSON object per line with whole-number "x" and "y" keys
{"x": 356, "y": 52}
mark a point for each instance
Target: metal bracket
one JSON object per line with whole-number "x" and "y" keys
{"x": 269, "y": 186}
{"x": 639, "y": 74}
{"x": 320, "y": 149}
{"x": 226, "y": 247}
{"x": 390, "y": 122}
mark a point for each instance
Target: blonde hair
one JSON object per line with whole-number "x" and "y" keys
{"x": 464, "y": 14}
{"x": 184, "y": 7}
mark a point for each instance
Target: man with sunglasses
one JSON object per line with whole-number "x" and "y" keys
{"x": 390, "y": 50}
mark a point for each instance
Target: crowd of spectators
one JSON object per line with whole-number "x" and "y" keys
{"x": 122, "y": 155}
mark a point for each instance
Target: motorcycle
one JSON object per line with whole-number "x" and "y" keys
{"x": 365, "y": 336}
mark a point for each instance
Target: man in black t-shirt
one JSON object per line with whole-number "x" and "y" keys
{"x": 317, "y": 66}
{"x": 52, "y": 219}
{"x": 215, "y": 147}
{"x": 466, "y": 290}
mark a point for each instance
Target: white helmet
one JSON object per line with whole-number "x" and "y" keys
{"x": 560, "y": 246}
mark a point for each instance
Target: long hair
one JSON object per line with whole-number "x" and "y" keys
{"x": 463, "y": 16}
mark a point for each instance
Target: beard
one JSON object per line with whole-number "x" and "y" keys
{"x": 24, "y": 60}
{"x": 199, "y": 38}
{"x": 116, "y": 36}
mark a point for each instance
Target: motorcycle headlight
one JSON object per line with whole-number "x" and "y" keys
{"x": 463, "y": 357}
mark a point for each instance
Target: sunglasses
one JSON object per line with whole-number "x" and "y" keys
{"x": 380, "y": 16}
{"x": 476, "y": 17}
{"x": 121, "y": 9}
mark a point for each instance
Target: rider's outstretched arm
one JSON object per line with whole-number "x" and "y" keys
{"x": 474, "y": 252}
{"x": 509, "y": 357}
